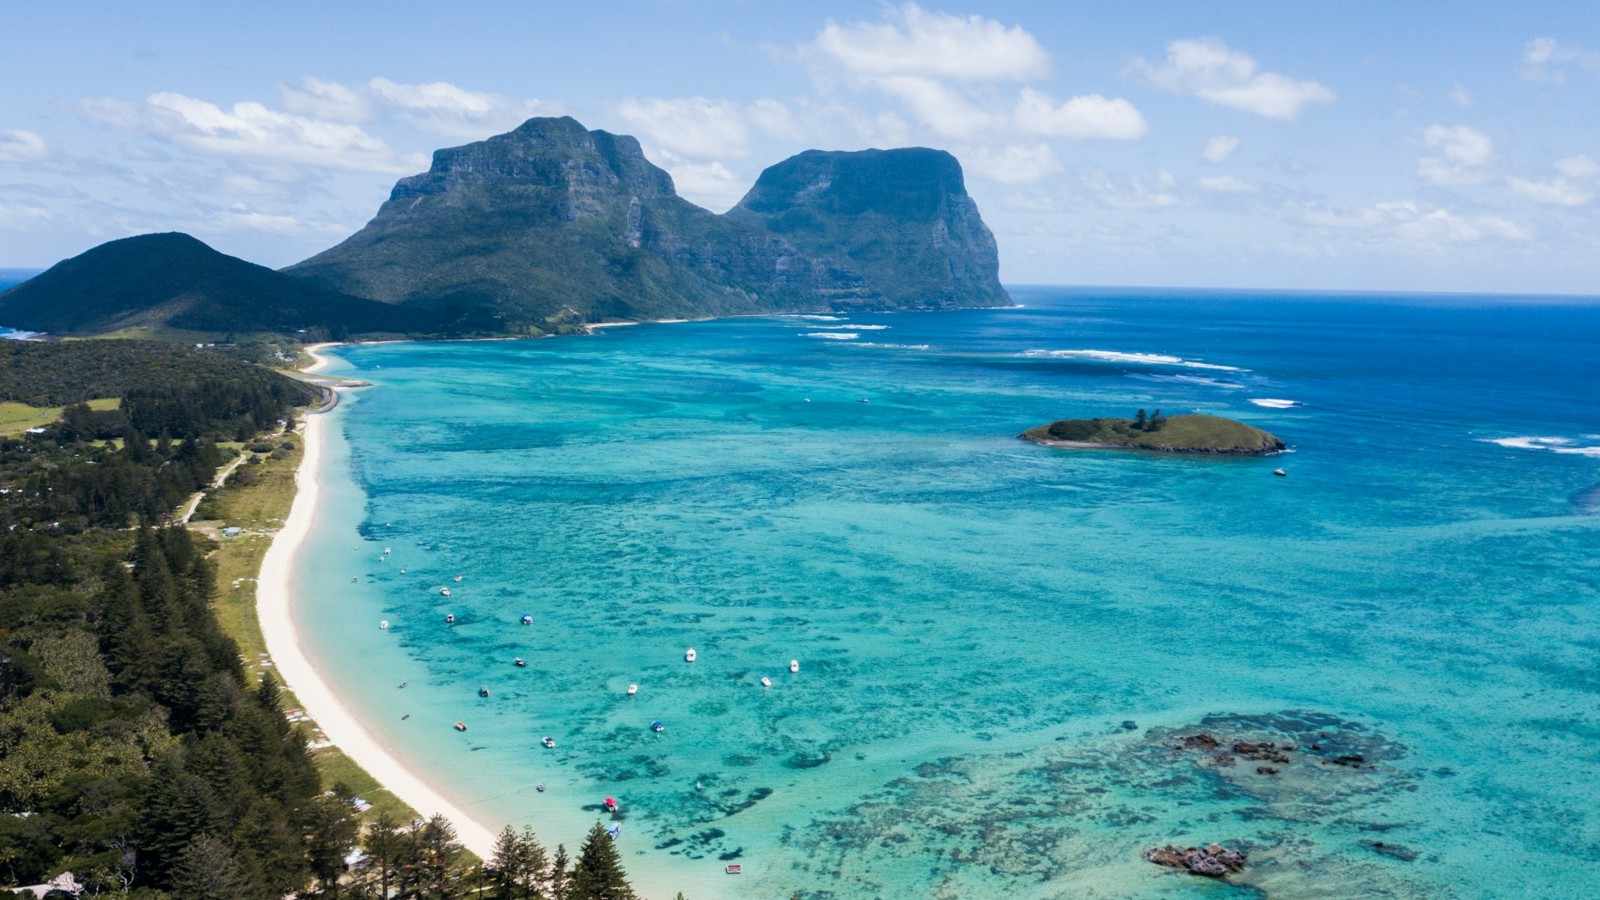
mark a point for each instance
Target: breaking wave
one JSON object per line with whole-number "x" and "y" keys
{"x": 1120, "y": 356}
{"x": 1553, "y": 444}
{"x": 832, "y": 335}
{"x": 1273, "y": 402}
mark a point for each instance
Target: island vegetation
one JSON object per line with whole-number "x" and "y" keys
{"x": 1189, "y": 433}
{"x": 138, "y": 752}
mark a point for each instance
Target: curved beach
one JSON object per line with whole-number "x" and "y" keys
{"x": 275, "y": 609}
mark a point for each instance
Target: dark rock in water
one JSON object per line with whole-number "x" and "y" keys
{"x": 1212, "y": 861}
{"x": 1201, "y": 741}
{"x": 1393, "y": 851}
{"x": 1130, "y": 725}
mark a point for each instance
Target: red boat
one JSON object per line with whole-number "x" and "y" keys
{"x": 611, "y": 804}
{"x": 461, "y": 726}
{"x": 734, "y": 869}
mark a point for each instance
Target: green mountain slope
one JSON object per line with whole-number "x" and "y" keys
{"x": 173, "y": 281}
{"x": 553, "y": 222}
{"x": 901, "y": 218}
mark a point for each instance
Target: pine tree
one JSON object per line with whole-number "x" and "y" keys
{"x": 1139, "y": 420}
{"x": 332, "y": 835}
{"x": 383, "y": 847}
{"x": 207, "y": 870}
{"x": 560, "y": 876}
{"x": 598, "y": 874}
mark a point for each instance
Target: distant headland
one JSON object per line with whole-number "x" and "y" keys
{"x": 1192, "y": 433}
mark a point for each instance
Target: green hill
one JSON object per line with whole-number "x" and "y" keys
{"x": 157, "y": 282}
{"x": 1192, "y": 433}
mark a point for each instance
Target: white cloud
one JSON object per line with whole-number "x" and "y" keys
{"x": 944, "y": 109}
{"x": 1089, "y": 117}
{"x": 695, "y": 127}
{"x": 17, "y": 145}
{"x": 1227, "y": 184}
{"x": 1015, "y": 164}
{"x": 1126, "y": 191}
{"x": 326, "y": 100}
{"x": 1579, "y": 166}
{"x": 1408, "y": 221}
{"x": 1219, "y": 148}
{"x": 242, "y": 218}
{"x": 440, "y": 107}
{"x": 250, "y": 130}
{"x": 707, "y": 183}
{"x": 22, "y": 217}
{"x": 1547, "y": 59}
{"x": 1464, "y": 154}
{"x": 913, "y": 41}
{"x": 1554, "y": 191}
{"x": 1460, "y": 96}
{"x": 1207, "y": 68}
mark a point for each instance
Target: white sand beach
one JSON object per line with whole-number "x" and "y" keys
{"x": 273, "y": 607}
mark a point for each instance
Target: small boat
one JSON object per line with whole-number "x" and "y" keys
{"x": 450, "y": 618}
{"x": 863, "y": 400}
{"x": 549, "y": 743}
{"x": 1280, "y": 473}
{"x": 611, "y": 804}
{"x": 527, "y": 619}
{"x": 458, "y": 579}
{"x": 689, "y": 655}
{"x": 614, "y": 830}
{"x": 383, "y": 625}
{"x": 444, "y": 592}
{"x": 733, "y": 869}
{"x": 461, "y": 726}
{"x": 402, "y": 570}
{"x": 387, "y": 551}
{"x": 354, "y": 580}
{"x": 657, "y": 727}
{"x": 633, "y": 689}
{"x": 794, "y": 665}
{"x": 539, "y": 787}
{"x": 483, "y": 691}
{"x": 520, "y": 663}
{"x": 765, "y": 681}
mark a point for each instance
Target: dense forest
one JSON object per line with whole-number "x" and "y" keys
{"x": 135, "y": 751}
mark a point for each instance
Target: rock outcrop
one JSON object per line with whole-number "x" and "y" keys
{"x": 1212, "y": 861}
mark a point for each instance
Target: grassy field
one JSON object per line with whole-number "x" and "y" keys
{"x": 15, "y": 418}
{"x": 257, "y": 499}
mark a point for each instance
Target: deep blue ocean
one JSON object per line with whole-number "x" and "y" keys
{"x": 1012, "y": 659}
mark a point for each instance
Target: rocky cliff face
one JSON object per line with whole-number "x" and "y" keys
{"x": 553, "y": 222}
{"x": 900, "y": 218}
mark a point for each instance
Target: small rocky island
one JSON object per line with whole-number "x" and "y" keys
{"x": 1192, "y": 433}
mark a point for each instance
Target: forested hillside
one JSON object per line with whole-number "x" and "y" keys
{"x": 135, "y": 750}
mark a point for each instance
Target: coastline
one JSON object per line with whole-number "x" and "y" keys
{"x": 274, "y": 609}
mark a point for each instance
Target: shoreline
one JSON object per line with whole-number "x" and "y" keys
{"x": 274, "y": 609}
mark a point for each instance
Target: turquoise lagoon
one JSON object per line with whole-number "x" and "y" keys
{"x": 1001, "y": 646}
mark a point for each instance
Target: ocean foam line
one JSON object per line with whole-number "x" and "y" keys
{"x": 1153, "y": 359}
{"x": 815, "y": 318}
{"x": 1553, "y": 444}
{"x": 896, "y": 346}
{"x": 274, "y": 605}
{"x": 1192, "y": 379}
{"x": 832, "y": 335}
{"x": 1273, "y": 402}
{"x": 848, "y": 326}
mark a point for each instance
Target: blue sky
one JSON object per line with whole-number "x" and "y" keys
{"x": 1366, "y": 146}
